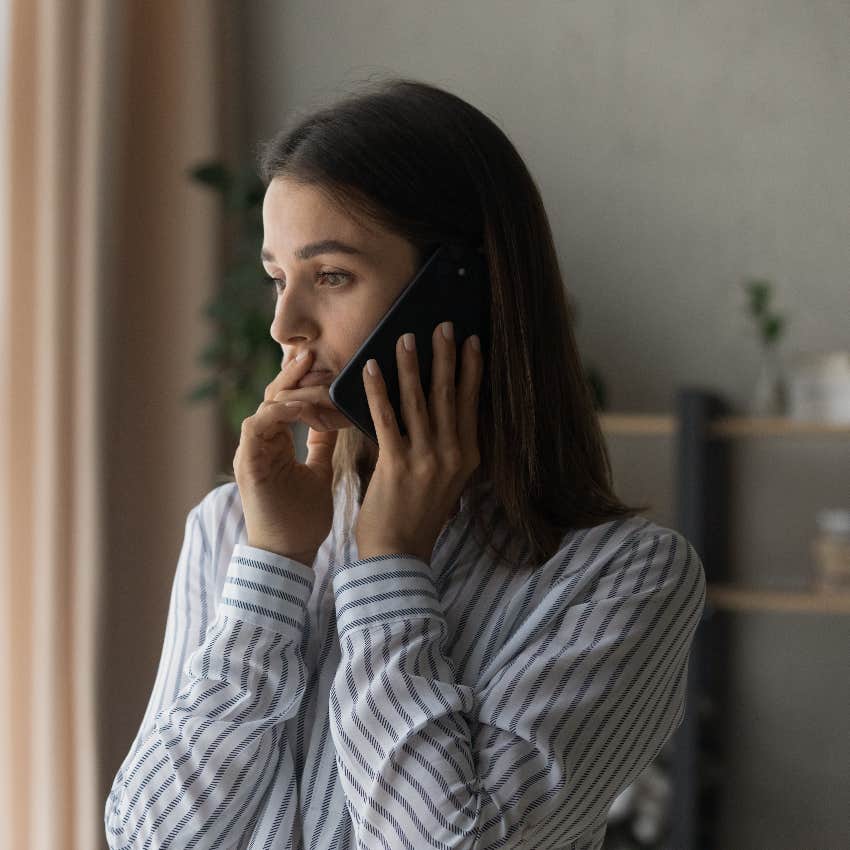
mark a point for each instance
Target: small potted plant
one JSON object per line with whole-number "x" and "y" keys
{"x": 769, "y": 393}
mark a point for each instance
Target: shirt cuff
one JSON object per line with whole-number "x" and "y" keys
{"x": 384, "y": 589}
{"x": 267, "y": 589}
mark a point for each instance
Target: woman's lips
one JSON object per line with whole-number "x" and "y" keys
{"x": 312, "y": 379}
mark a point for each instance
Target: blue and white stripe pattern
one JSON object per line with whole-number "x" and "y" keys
{"x": 392, "y": 704}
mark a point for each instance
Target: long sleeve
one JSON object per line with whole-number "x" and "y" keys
{"x": 213, "y": 733}
{"x": 581, "y": 698}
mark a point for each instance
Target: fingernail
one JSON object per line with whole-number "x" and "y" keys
{"x": 447, "y": 329}
{"x": 301, "y": 356}
{"x": 409, "y": 342}
{"x": 372, "y": 366}
{"x": 476, "y": 342}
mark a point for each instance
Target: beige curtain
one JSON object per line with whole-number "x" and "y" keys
{"x": 108, "y": 252}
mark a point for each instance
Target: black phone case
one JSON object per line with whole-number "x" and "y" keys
{"x": 452, "y": 285}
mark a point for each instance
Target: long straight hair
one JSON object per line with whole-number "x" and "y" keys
{"x": 426, "y": 165}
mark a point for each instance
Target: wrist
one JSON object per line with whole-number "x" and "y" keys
{"x": 389, "y": 548}
{"x": 306, "y": 558}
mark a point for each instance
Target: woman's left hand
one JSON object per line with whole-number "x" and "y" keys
{"x": 419, "y": 478}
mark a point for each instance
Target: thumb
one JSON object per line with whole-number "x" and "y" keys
{"x": 320, "y": 451}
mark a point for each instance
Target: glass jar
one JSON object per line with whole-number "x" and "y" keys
{"x": 831, "y": 550}
{"x": 769, "y": 394}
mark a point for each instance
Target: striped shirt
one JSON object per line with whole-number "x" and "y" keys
{"x": 390, "y": 703}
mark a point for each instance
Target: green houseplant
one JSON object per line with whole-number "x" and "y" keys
{"x": 768, "y": 325}
{"x": 769, "y": 392}
{"x": 242, "y": 355}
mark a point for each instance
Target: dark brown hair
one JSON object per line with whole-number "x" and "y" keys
{"x": 425, "y": 164}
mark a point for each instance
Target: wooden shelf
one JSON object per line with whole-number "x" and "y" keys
{"x": 731, "y": 598}
{"x": 643, "y": 424}
{"x": 638, "y": 423}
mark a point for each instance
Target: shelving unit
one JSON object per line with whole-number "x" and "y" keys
{"x": 702, "y": 428}
{"x": 651, "y": 425}
{"x": 731, "y": 598}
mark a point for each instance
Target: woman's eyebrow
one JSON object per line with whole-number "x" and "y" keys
{"x": 326, "y": 246}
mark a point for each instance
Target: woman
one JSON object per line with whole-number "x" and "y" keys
{"x": 461, "y": 638}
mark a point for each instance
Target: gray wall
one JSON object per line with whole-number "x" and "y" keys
{"x": 680, "y": 148}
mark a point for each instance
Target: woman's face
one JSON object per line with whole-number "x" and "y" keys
{"x": 328, "y": 299}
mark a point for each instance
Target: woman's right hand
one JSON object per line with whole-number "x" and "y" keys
{"x": 288, "y": 506}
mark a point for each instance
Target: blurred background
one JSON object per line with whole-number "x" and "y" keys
{"x": 693, "y": 160}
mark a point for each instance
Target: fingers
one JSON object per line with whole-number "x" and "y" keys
{"x": 448, "y": 422}
{"x": 435, "y": 420}
{"x": 472, "y": 369}
{"x": 319, "y": 411}
{"x": 320, "y": 452}
{"x": 258, "y": 443}
{"x": 414, "y": 408}
{"x": 274, "y": 417}
{"x": 381, "y": 410}
{"x": 306, "y": 412}
{"x": 291, "y": 373}
{"x": 317, "y": 416}
{"x": 271, "y": 419}
{"x": 442, "y": 397}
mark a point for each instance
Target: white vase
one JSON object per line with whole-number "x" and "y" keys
{"x": 769, "y": 392}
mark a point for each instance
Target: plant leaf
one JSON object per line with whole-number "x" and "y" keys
{"x": 772, "y": 328}
{"x": 759, "y": 292}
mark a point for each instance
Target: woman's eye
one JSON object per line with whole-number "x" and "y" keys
{"x": 339, "y": 278}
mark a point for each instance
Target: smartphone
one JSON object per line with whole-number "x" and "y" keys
{"x": 451, "y": 286}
